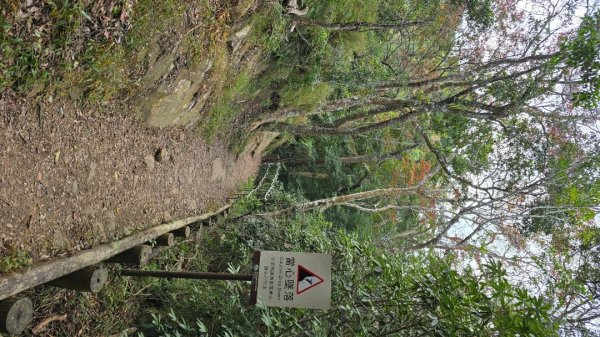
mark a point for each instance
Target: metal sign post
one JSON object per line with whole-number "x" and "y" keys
{"x": 187, "y": 275}
{"x": 279, "y": 279}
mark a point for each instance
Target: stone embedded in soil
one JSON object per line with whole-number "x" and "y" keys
{"x": 191, "y": 204}
{"x": 74, "y": 188}
{"x": 178, "y": 101}
{"x": 110, "y": 223}
{"x": 92, "y": 173}
{"x": 236, "y": 39}
{"x": 99, "y": 231}
{"x": 162, "y": 155}
{"x": 258, "y": 142}
{"x": 159, "y": 68}
{"x": 218, "y": 170}
{"x": 59, "y": 240}
{"x": 149, "y": 161}
{"x": 75, "y": 93}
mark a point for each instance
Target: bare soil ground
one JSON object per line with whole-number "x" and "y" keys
{"x": 93, "y": 166}
{"x": 71, "y": 178}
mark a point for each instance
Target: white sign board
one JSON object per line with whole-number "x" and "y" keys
{"x": 292, "y": 280}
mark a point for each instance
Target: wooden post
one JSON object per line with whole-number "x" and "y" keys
{"x": 90, "y": 279}
{"x": 137, "y": 255}
{"x": 12, "y": 284}
{"x": 155, "y": 253}
{"x": 186, "y": 275}
{"x": 204, "y": 223}
{"x": 165, "y": 240}
{"x": 183, "y": 232}
{"x": 15, "y": 315}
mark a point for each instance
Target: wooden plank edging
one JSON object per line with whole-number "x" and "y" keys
{"x": 36, "y": 275}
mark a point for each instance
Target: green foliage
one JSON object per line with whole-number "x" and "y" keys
{"x": 110, "y": 311}
{"x": 345, "y": 10}
{"x": 572, "y": 199}
{"x": 374, "y": 293}
{"x": 582, "y": 53}
{"x": 227, "y": 106}
{"x": 64, "y": 44}
{"x": 306, "y": 231}
{"x": 176, "y": 326}
{"x": 61, "y": 46}
{"x": 474, "y": 140}
{"x": 14, "y": 260}
{"x": 480, "y": 14}
{"x": 269, "y": 29}
{"x": 26, "y": 57}
{"x": 360, "y": 223}
{"x": 154, "y": 16}
{"x": 312, "y": 63}
{"x": 104, "y": 71}
{"x": 306, "y": 96}
{"x": 322, "y": 155}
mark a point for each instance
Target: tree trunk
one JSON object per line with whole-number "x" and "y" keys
{"x": 342, "y": 199}
{"x": 331, "y": 106}
{"x": 329, "y": 202}
{"x": 309, "y": 130}
{"x": 344, "y": 160}
{"x": 358, "y": 26}
{"x": 467, "y": 77}
{"x": 314, "y": 175}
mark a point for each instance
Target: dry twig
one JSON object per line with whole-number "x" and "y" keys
{"x": 43, "y": 324}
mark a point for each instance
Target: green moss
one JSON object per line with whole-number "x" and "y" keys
{"x": 269, "y": 29}
{"x": 228, "y": 104}
{"x": 344, "y": 10}
{"x": 310, "y": 96}
{"x": 152, "y": 17}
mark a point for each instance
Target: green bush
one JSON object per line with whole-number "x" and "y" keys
{"x": 374, "y": 293}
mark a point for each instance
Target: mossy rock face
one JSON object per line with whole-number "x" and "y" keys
{"x": 258, "y": 142}
{"x": 175, "y": 102}
{"x": 159, "y": 68}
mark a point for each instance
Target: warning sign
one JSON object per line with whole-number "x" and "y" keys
{"x": 306, "y": 280}
{"x": 293, "y": 280}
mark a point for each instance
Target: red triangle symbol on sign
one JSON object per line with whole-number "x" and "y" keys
{"x": 306, "y": 280}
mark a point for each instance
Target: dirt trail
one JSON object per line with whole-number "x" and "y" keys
{"x": 72, "y": 178}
